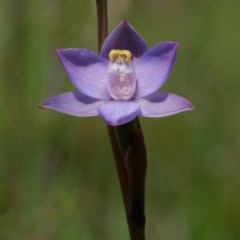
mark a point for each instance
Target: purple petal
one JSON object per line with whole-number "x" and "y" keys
{"x": 118, "y": 112}
{"x": 86, "y": 70}
{"x": 161, "y": 104}
{"x": 124, "y": 36}
{"x": 73, "y": 103}
{"x": 154, "y": 67}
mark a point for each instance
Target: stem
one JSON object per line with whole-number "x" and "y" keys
{"x": 136, "y": 165}
{"x": 129, "y": 153}
{"x": 102, "y": 21}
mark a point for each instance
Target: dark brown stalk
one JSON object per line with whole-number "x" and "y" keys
{"x": 129, "y": 153}
{"x": 136, "y": 165}
{"x": 102, "y": 21}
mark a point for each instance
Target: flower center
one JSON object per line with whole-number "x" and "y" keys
{"x": 122, "y": 81}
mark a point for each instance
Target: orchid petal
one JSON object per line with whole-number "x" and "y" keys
{"x": 154, "y": 67}
{"x": 73, "y": 103}
{"x": 86, "y": 70}
{"x": 124, "y": 36}
{"x": 161, "y": 104}
{"x": 118, "y": 112}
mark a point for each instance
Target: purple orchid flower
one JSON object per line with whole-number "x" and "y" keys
{"x": 120, "y": 83}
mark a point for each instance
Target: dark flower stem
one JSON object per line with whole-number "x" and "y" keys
{"x": 129, "y": 153}
{"x": 102, "y": 20}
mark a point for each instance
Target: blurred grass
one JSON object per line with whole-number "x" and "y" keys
{"x": 57, "y": 176}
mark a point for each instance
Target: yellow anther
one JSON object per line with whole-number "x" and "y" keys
{"x": 117, "y": 54}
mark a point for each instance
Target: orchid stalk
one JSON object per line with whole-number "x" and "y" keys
{"x": 119, "y": 84}
{"x": 126, "y": 141}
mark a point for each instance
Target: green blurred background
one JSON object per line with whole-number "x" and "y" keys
{"x": 57, "y": 175}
